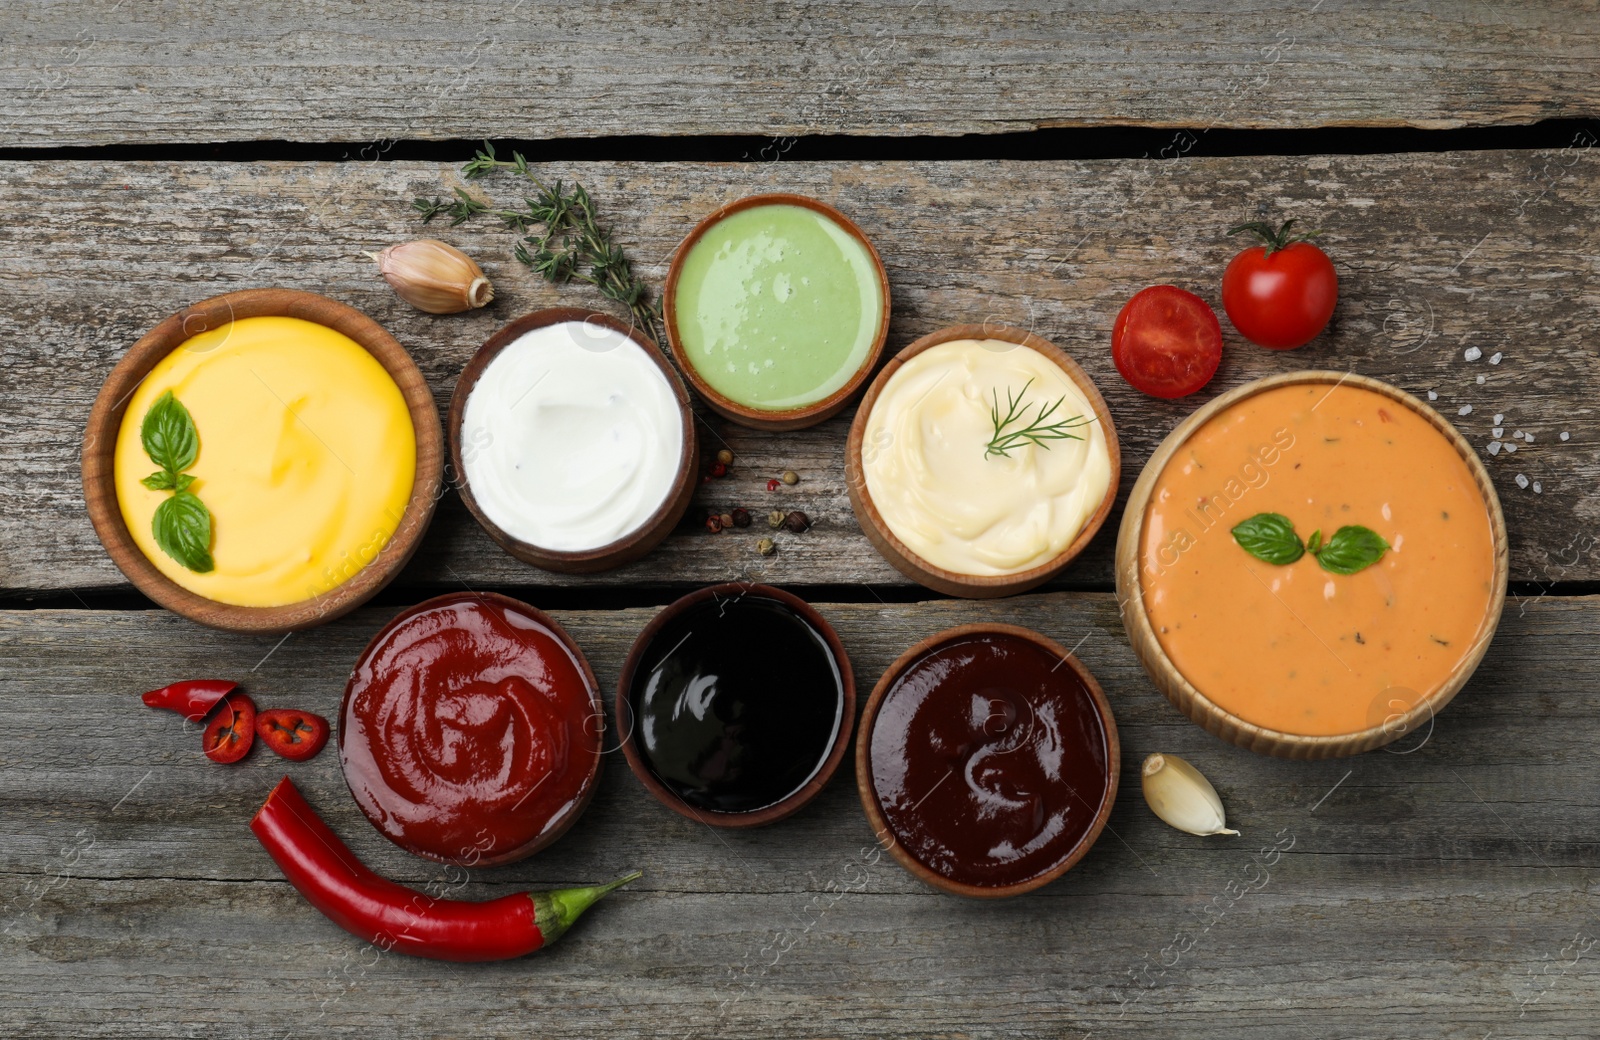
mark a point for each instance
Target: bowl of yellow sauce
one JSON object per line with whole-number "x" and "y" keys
{"x": 1312, "y": 565}
{"x": 263, "y": 461}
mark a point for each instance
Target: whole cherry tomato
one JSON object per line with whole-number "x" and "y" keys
{"x": 1166, "y": 342}
{"x": 1279, "y": 294}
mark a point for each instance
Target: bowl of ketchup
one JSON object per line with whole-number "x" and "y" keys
{"x": 987, "y": 760}
{"x": 470, "y": 730}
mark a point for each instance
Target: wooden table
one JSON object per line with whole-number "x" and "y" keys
{"x": 1441, "y": 888}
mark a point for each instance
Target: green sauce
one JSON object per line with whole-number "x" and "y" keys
{"x": 777, "y": 306}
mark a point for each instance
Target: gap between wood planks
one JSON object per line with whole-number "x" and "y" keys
{"x": 1109, "y": 142}
{"x": 579, "y": 597}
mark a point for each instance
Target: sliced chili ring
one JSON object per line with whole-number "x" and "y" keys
{"x": 232, "y": 729}
{"x": 295, "y": 735}
{"x": 191, "y": 698}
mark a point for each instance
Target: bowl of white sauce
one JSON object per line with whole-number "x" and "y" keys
{"x": 573, "y": 441}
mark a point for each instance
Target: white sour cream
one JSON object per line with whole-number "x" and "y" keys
{"x": 926, "y": 470}
{"x": 571, "y": 437}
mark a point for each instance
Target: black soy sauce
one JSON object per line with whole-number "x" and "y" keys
{"x": 736, "y": 703}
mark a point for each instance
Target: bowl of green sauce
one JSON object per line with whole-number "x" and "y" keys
{"x": 776, "y": 308}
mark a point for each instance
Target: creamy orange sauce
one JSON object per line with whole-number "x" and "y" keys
{"x": 1295, "y": 648}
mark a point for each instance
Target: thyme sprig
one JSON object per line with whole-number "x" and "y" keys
{"x": 563, "y": 238}
{"x": 1038, "y": 431}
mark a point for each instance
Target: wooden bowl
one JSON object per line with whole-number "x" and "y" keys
{"x": 869, "y": 796}
{"x": 760, "y": 418}
{"x": 105, "y": 421}
{"x": 907, "y": 562}
{"x": 631, "y": 546}
{"x": 1206, "y": 713}
{"x": 778, "y": 810}
{"x": 590, "y": 781}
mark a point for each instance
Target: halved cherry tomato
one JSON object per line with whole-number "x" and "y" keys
{"x": 192, "y": 698}
{"x": 1280, "y": 294}
{"x": 296, "y": 735}
{"x": 232, "y": 729}
{"x": 1166, "y": 342}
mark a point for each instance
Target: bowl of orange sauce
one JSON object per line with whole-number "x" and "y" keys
{"x": 1305, "y": 658}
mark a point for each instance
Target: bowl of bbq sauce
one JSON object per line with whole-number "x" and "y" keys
{"x": 736, "y": 705}
{"x": 987, "y": 760}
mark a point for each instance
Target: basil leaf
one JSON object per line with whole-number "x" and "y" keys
{"x": 1351, "y": 549}
{"x": 1269, "y": 537}
{"x": 182, "y": 527}
{"x": 160, "y": 480}
{"x": 1314, "y": 543}
{"x": 168, "y": 434}
{"x": 183, "y": 482}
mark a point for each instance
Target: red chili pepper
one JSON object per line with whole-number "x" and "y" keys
{"x": 393, "y": 917}
{"x": 229, "y": 735}
{"x": 774, "y": 484}
{"x": 192, "y": 698}
{"x": 295, "y": 735}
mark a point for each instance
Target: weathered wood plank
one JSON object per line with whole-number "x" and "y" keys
{"x": 1439, "y": 892}
{"x": 92, "y": 73}
{"x": 91, "y": 256}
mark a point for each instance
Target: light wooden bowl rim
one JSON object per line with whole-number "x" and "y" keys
{"x": 830, "y": 764}
{"x": 900, "y": 555}
{"x": 869, "y": 796}
{"x": 1201, "y": 709}
{"x": 760, "y": 418}
{"x": 597, "y": 706}
{"x": 105, "y": 422}
{"x": 630, "y": 546}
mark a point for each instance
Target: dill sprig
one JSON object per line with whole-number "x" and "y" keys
{"x": 1039, "y": 431}
{"x": 563, "y": 238}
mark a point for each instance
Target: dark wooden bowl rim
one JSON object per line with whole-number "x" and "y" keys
{"x": 778, "y": 810}
{"x": 585, "y": 793}
{"x": 869, "y": 795}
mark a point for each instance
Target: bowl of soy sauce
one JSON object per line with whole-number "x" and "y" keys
{"x": 736, "y": 705}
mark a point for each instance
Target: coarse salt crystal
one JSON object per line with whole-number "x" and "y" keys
{"x": 1565, "y": 435}
{"x": 1472, "y": 354}
{"x": 1527, "y": 438}
{"x": 1495, "y": 359}
{"x": 1538, "y": 488}
{"x": 1498, "y": 418}
{"x": 1494, "y": 447}
{"x": 1522, "y": 481}
{"x": 1498, "y": 431}
{"x": 1516, "y": 435}
{"x": 1512, "y": 448}
{"x": 1481, "y": 380}
{"x": 1465, "y": 409}
{"x": 1432, "y": 396}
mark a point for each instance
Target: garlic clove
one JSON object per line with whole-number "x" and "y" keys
{"x": 434, "y": 277}
{"x": 1181, "y": 795}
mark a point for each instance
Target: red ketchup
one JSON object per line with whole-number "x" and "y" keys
{"x": 989, "y": 760}
{"x": 471, "y": 729}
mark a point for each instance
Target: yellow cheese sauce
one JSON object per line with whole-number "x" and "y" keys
{"x": 959, "y": 506}
{"x": 307, "y": 458}
{"x": 1295, "y": 648}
